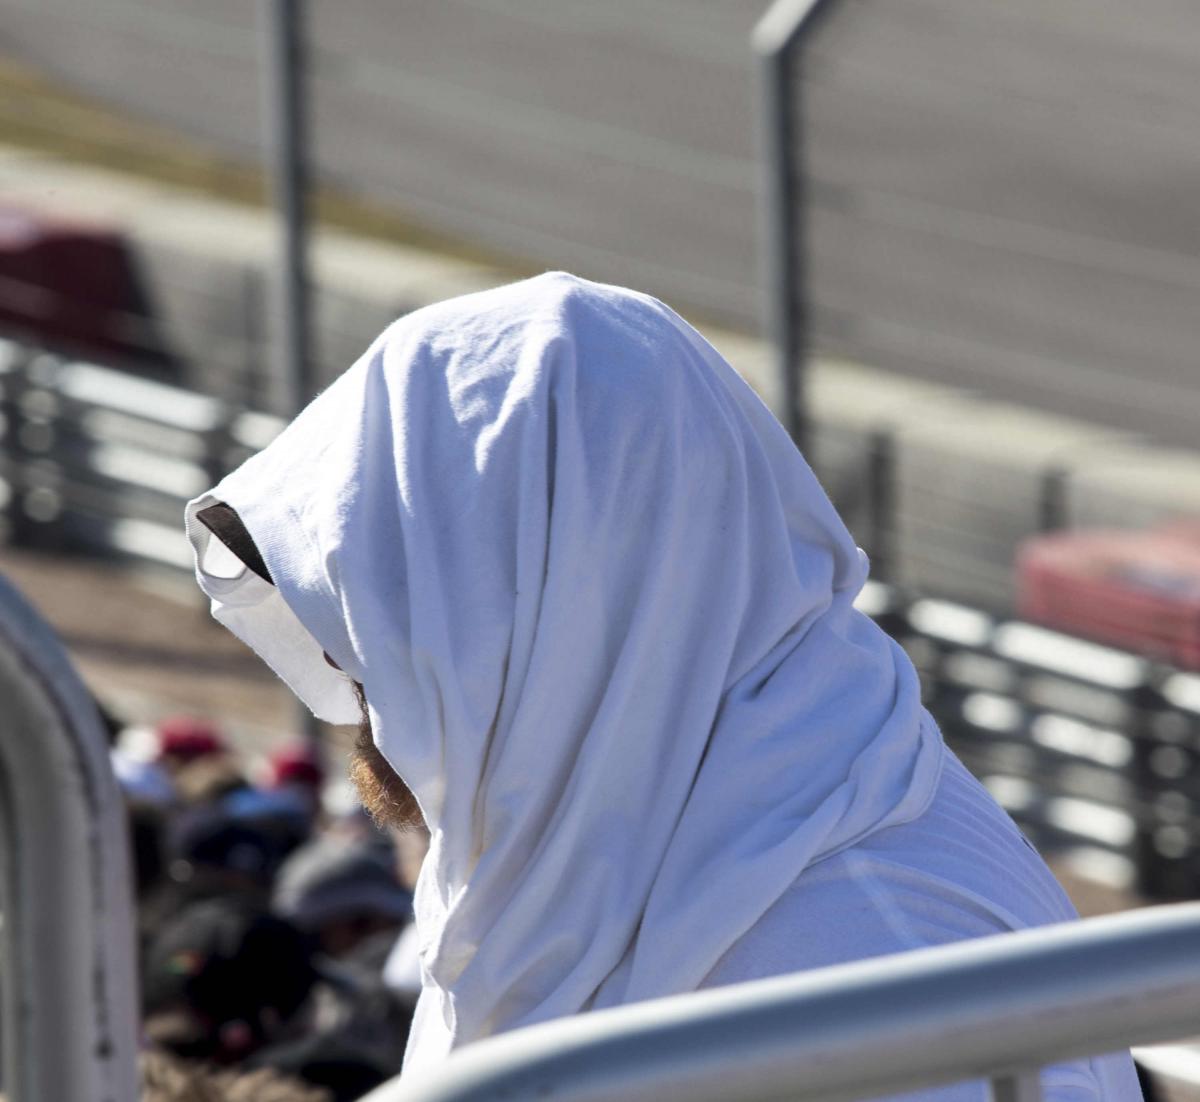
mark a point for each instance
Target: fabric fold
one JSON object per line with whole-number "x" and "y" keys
{"x": 603, "y": 613}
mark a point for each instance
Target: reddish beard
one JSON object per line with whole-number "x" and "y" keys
{"x": 387, "y": 799}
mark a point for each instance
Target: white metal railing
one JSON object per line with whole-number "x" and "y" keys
{"x": 996, "y": 1008}
{"x": 69, "y": 988}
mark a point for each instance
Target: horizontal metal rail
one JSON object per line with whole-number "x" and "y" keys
{"x": 92, "y": 456}
{"x": 1093, "y": 750}
{"x": 996, "y": 1008}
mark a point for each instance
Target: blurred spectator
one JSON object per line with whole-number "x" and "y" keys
{"x": 284, "y": 819}
{"x": 185, "y": 739}
{"x": 213, "y": 842}
{"x": 144, "y": 782}
{"x": 355, "y": 1032}
{"x": 402, "y": 966}
{"x": 146, "y": 827}
{"x": 295, "y": 763}
{"x": 209, "y": 856}
{"x": 208, "y": 778}
{"x": 166, "y": 1078}
{"x": 335, "y": 1061}
{"x": 222, "y": 979}
{"x": 343, "y": 893}
{"x": 227, "y": 982}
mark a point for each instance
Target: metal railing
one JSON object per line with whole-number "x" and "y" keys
{"x": 1093, "y": 750}
{"x": 996, "y": 1008}
{"x": 99, "y": 459}
{"x": 69, "y": 988}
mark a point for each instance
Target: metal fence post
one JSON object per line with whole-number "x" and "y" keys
{"x": 883, "y": 523}
{"x": 285, "y": 134}
{"x": 787, "y": 315}
{"x": 781, "y": 276}
{"x": 1025, "y": 1086}
{"x": 1053, "y": 506}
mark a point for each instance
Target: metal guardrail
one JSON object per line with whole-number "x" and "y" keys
{"x": 100, "y": 459}
{"x": 68, "y": 983}
{"x": 998, "y": 1008}
{"x": 1093, "y": 750}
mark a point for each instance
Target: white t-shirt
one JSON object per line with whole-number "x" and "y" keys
{"x": 959, "y": 871}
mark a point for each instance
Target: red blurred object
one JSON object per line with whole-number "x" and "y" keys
{"x": 1135, "y": 589}
{"x": 184, "y": 739}
{"x": 72, "y": 285}
{"x": 294, "y": 763}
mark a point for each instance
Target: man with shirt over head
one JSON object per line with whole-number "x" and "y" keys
{"x": 596, "y": 616}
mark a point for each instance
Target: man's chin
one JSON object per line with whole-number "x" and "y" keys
{"x": 386, "y": 798}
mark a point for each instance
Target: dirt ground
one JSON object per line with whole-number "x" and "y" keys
{"x": 145, "y": 644}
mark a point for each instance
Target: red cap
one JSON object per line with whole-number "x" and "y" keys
{"x": 188, "y": 738}
{"x": 294, "y": 763}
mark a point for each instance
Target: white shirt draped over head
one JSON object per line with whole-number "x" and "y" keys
{"x": 602, "y": 612}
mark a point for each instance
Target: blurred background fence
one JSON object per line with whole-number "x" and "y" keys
{"x": 1001, "y": 193}
{"x": 1094, "y": 750}
{"x": 103, "y": 460}
{"x": 995, "y": 194}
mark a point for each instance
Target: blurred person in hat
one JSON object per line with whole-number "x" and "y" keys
{"x": 225, "y": 982}
{"x": 222, "y": 979}
{"x": 596, "y": 621}
{"x": 285, "y": 802}
{"x": 289, "y": 783}
{"x": 295, "y": 762}
{"x": 343, "y": 893}
{"x": 208, "y": 855}
{"x": 183, "y": 739}
{"x": 216, "y": 842}
{"x": 197, "y": 758}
